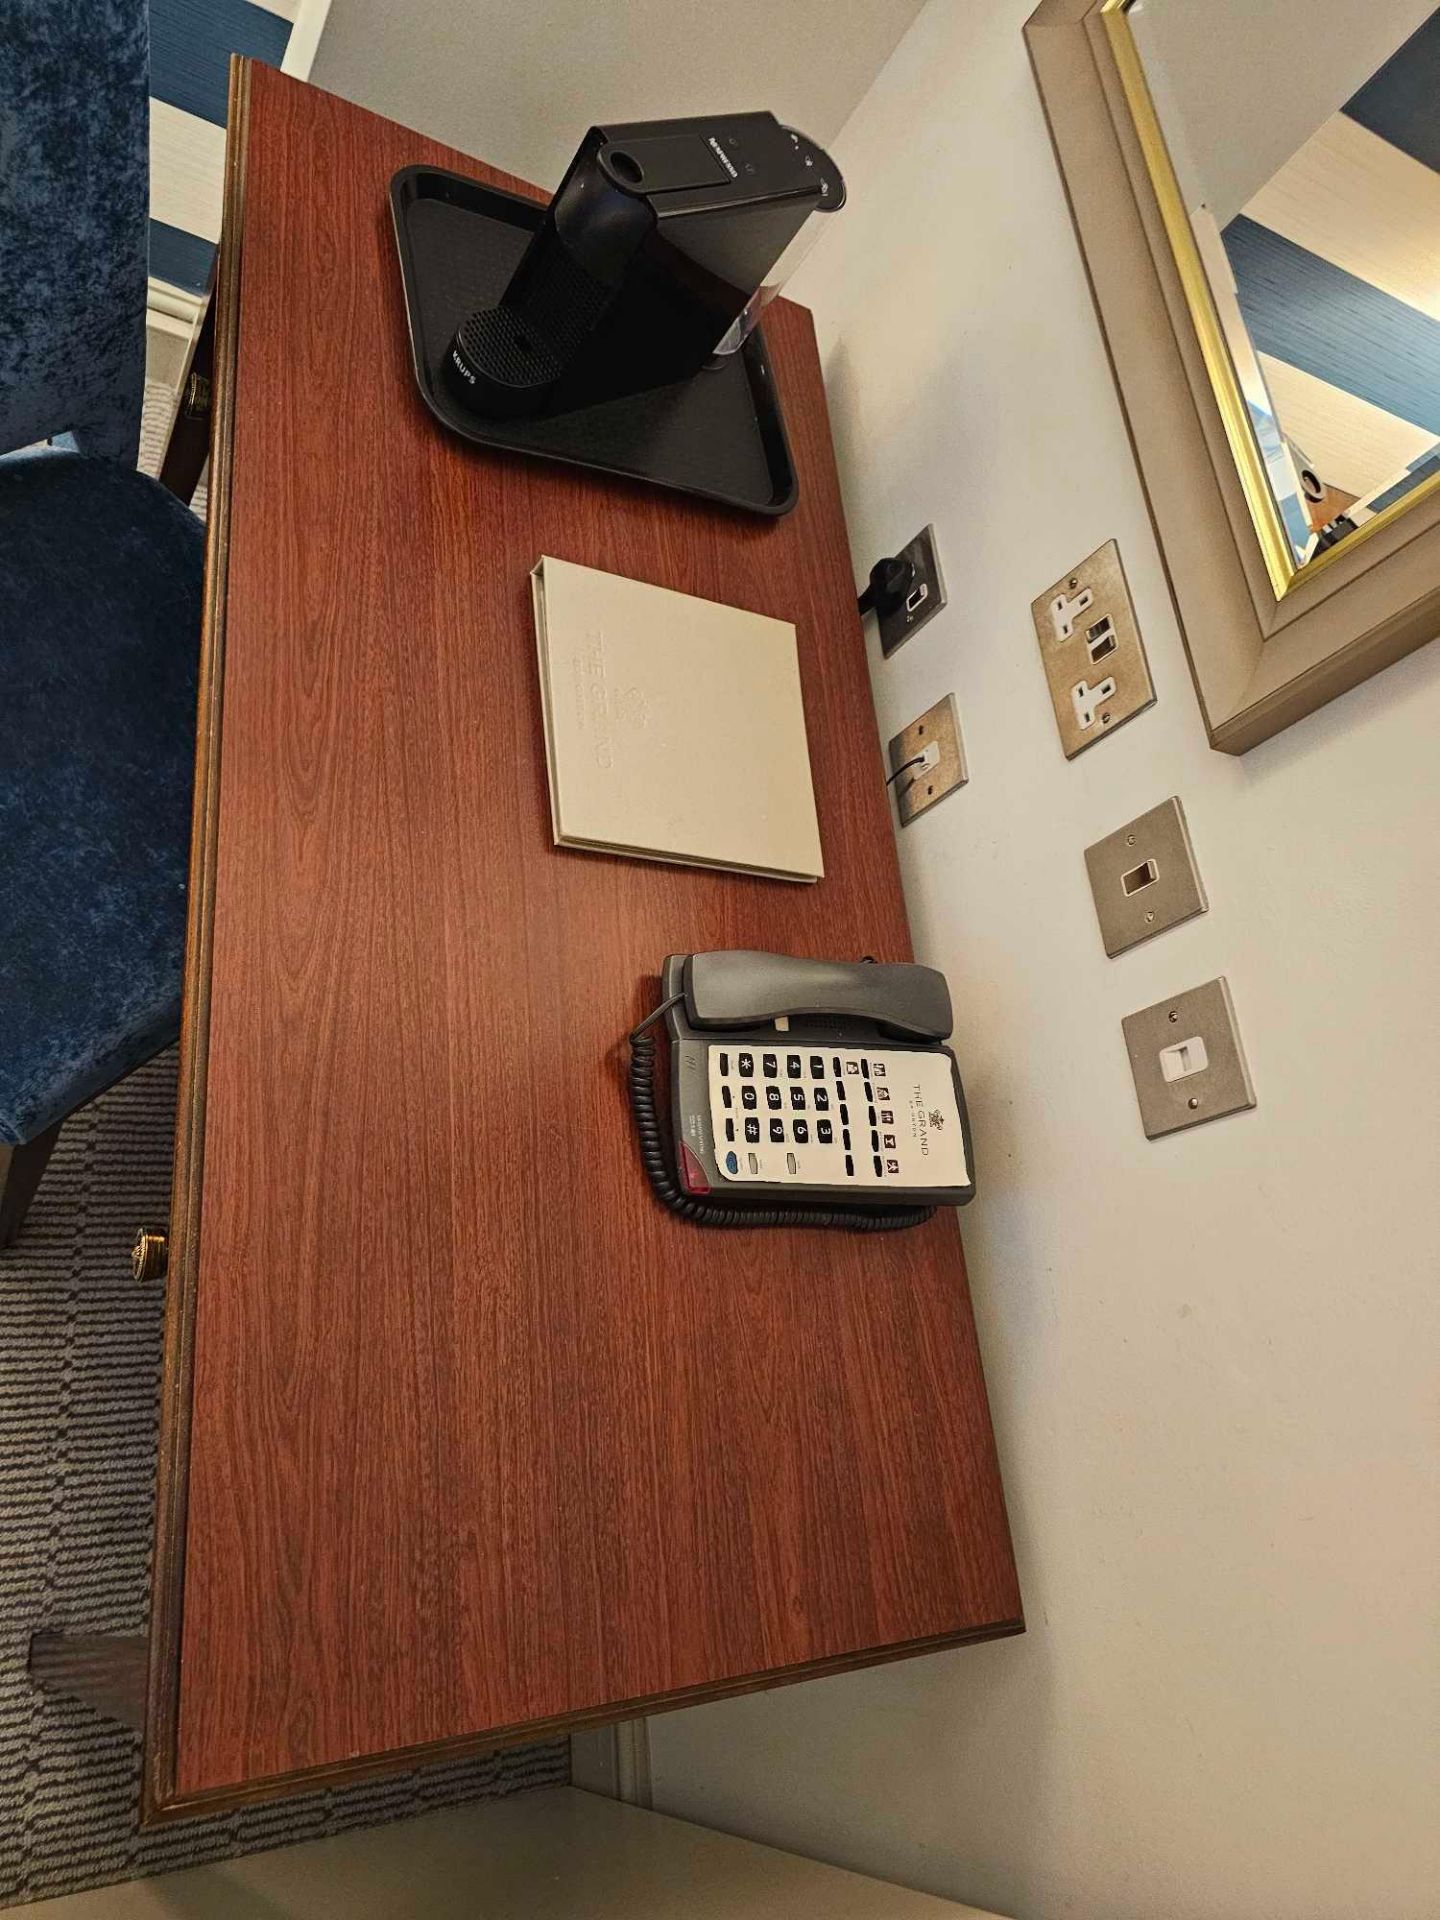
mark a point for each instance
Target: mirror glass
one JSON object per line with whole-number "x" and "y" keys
{"x": 1303, "y": 146}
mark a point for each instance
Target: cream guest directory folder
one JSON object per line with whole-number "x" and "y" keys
{"x": 674, "y": 728}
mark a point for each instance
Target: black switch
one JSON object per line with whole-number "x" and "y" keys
{"x": 777, "y": 1131}
{"x": 792, "y": 1065}
{"x": 773, "y": 1097}
{"x": 752, "y": 1131}
{"x": 824, "y": 1132}
{"x": 749, "y": 1099}
{"x": 822, "y": 1100}
{"x": 797, "y": 1096}
{"x": 770, "y": 1064}
{"x": 801, "y": 1130}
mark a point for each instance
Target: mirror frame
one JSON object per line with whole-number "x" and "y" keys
{"x": 1267, "y": 642}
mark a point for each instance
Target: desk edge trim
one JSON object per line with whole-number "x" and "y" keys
{"x": 338, "y": 1773}
{"x": 172, "y": 1480}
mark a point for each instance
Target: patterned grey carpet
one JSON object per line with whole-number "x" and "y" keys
{"x": 79, "y": 1369}
{"x": 79, "y": 1377}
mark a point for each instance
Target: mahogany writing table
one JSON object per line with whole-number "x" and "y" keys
{"x": 464, "y": 1439}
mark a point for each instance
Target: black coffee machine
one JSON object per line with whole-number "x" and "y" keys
{"x": 657, "y": 253}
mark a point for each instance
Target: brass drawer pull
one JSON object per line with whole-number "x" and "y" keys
{"x": 150, "y": 1254}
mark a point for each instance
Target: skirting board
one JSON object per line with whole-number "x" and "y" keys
{"x": 614, "y": 1761}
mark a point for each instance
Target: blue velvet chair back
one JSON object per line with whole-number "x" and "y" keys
{"x": 74, "y": 199}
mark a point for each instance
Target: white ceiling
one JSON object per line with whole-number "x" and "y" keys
{"x": 518, "y": 85}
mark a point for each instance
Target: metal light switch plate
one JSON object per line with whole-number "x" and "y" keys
{"x": 1092, "y": 651}
{"x": 1144, "y": 878}
{"x": 1188, "y": 1063}
{"x": 936, "y": 734}
{"x": 925, "y": 599}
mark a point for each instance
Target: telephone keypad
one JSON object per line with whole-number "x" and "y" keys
{"x": 909, "y": 1093}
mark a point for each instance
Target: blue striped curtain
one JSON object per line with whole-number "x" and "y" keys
{"x": 191, "y": 42}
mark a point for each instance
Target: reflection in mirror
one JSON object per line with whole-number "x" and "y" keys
{"x": 1303, "y": 142}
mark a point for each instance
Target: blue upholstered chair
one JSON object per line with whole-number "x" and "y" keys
{"x": 100, "y": 579}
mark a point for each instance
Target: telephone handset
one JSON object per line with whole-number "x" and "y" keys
{"x": 803, "y": 1093}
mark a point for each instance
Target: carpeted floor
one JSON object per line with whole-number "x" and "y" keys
{"x": 79, "y": 1373}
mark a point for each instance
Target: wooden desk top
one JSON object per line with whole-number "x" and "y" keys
{"x": 463, "y": 1437}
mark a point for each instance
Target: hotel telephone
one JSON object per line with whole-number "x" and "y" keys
{"x": 803, "y": 1093}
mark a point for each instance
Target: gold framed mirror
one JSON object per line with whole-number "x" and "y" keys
{"x": 1257, "y": 193}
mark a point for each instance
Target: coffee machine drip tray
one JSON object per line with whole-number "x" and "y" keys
{"x": 719, "y": 435}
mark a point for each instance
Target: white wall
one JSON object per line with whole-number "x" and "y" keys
{"x": 518, "y": 85}
{"x": 1211, "y": 1358}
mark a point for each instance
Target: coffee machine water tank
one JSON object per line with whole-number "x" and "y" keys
{"x": 663, "y": 243}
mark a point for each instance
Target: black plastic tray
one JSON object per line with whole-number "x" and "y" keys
{"x": 720, "y": 435}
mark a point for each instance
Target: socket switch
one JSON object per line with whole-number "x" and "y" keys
{"x": 934, "y": 743}
{"x": 1144, "y": 878}
{"x": 1090, "y": 645}
{"x": 1187, "y": 1060}
{"x": 922, "y": 600}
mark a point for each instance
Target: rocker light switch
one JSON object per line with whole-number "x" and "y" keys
{"x": 1188, "y": 1063}
{"x": 1144, "y": 877}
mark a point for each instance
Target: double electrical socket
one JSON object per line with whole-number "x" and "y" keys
{"x": 1090, "y": 645}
